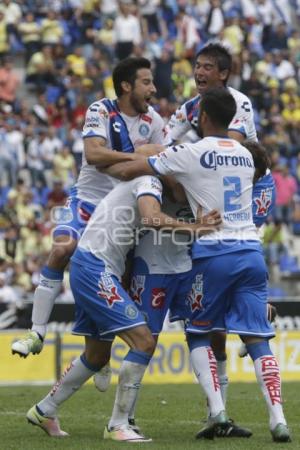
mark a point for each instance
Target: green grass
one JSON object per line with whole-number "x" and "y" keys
{"x": 171, "y": 415}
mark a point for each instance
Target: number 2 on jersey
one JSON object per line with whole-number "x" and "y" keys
{"x": 232, "y": 194}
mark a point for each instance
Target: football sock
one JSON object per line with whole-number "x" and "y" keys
{"x": 268, "y": 376}
{"x": 131, "y": 373}
{"x": 205, "y": 367}
{"x": 223, "y": 378}
{"x": 44, "y": 297}
{"x": 75, "y": 375}
{"x": 131, "y": 413}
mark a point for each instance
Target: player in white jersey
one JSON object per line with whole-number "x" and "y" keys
{"x": 111, "y": 131}
{"x": 217, "y": 172}
{"x": 104, "y": 309}
{"x": 212, "y": 69}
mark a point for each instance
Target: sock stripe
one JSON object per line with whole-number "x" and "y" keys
{"x": 138, "y": 356}
{"x": 88, "y": 365}
{"x": 52, "y": 274}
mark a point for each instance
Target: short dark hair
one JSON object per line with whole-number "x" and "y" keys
{"x": 126, "y": 70}
{"x": 220, "y": 54}
{"x": 219, "y": 105}
{"x": 260, "y": 158}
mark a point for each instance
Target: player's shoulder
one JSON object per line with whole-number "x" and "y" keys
{"x": 100, "y": 106}
{"x": 238, "y": 95}
{"x": 151, "y": 116}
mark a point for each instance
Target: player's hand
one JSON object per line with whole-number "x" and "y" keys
{"x": 149, "y": 149}
{"x": 207, "y": 223}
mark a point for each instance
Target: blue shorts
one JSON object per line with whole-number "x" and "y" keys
{"x": 155, "y": 294}
{"x": 229, "y": 293}
{"x": 72, "y": 218}
{"x": 102, "y": 307}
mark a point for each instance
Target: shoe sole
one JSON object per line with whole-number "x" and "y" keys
{"x": 23, "y": 355}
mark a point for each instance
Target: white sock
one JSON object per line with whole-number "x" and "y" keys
{"x": 43, "y": 301}
{"x": 223, "y": 378}
{"x": 131, "y": 414}
{"x": 130, "y": 377}
{"x": 75, "y": 375}
{"x": 205, "y": 367}
{"x": 268, "y": 375}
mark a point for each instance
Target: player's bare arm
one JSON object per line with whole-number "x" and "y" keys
{"x": 126, "y": 171}
{"x": 236, "y": 135}
{"x": 152, "y": 216}
{"x": 149, "y": 149}
{"x": 97, "y": 154}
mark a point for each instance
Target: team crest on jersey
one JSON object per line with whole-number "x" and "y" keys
{"x": 109, "y": 291}
{"x": 158, "y": 297}
{"x": 137, "y": 288}
{"x": 180, "y": 117}
{"x": 144, "y": 129}
{"x": 263, "y": 202}
{"x": 195, "y": 296}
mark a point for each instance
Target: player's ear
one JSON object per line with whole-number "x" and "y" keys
{"x": 126, "y": 87}
{"x": 224, "y": 74}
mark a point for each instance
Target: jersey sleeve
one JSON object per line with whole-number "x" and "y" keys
{"x": 160, "y": 134}
{"x": 149, "y": 185}
{"x": 179, "y": 124}
{"x": 95, "y": 121}
{"x": 243, "y": 121}
{"x": 173, "y": 161}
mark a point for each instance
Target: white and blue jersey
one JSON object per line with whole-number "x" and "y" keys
{"x": 102, "y": 307}
{"x": 122, "y": 133}
{"x": 217, "y": 173}
{"x": 264, "y": 198}
{"x": 161, "y": 271}
{"x": 185, "y": 118}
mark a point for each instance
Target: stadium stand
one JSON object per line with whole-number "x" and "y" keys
{"x": 56, "y": 58}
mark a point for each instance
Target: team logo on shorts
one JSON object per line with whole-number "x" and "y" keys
{"x": 109, "y": 291}
{"x": 158, "y": 297}
{"x": 131, "y": 312}
{"x": 137, "y": 288}
{"x": 196, "y": 294}
{"x": 263, "y": 202}
{"x": 144, "y": 129}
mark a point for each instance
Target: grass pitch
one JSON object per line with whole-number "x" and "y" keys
{"x": 170, "y": 414}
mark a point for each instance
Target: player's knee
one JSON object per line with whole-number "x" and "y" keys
{"x": 147, "y": 344}
{"x": 97, "y": 359}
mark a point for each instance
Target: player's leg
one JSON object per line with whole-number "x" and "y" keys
{"x": 49, "y": 287}
{"x": 208, "y": 305}
{"x": 44, "y": 413}
{"x": 248, "y": 317}
{"x": 133, "y": 367}
{"x": 218, "y": 343}
{"x": 152, "y": 294}
{"x": 71, "y": 221}
{"x": 268, "y": 376}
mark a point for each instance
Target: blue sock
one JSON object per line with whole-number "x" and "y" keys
{"x": 259, "y": 349}
{"x": 52, "y": 274}
{"x": 139, "y": 357}
{"x": 88, "y": 365}
{"x": 197, "y": 340}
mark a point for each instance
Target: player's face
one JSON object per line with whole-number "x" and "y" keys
{"x": 207, "y": 74}
{"x": 143, "y": 90}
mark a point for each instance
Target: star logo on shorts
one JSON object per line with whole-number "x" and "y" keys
{"x": 110, "y": 294}
{"x": 195, "y": 301}
{"x": 196, "y": 294}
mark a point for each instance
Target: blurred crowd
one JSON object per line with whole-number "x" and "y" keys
{"x": 57, "y": 57}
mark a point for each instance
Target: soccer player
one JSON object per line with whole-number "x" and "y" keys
{"x": 103, "y": 307}
{"x": 111, "y": 132}
{"x": 212, "y": 69}
{"x": 217, "y": 172}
